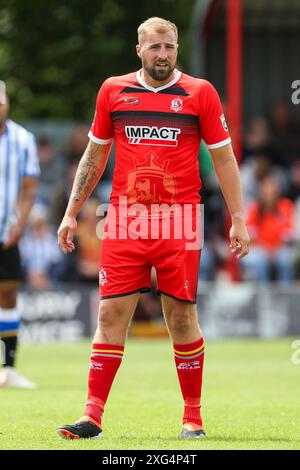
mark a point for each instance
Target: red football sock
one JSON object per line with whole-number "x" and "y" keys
{"x": 189, "y": 360}
{"x": 105, "y": 362}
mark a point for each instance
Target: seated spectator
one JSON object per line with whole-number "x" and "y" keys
{"x": 52, "y": 171}
{"x": 61, "y": 195}
{"x": 88, "y": 246}
{"x": 77, "y": 144}
{"x": 285, "y": 142}
{"x": 208, "y": 263}
{"x": 103, "y": 189}
{"x": 254, "y": 170}
{"x": 41, "y": 257}
{"x": 257, "y": 136}
{"x": 293, "y": 192}
{"x": 271, "y": 227}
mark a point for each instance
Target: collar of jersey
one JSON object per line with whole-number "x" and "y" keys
{"x": 155, "y": 90}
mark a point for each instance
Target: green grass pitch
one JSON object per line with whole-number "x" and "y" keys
{"x": 250, "y": 398}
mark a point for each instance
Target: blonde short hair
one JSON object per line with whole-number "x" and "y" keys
{"x": 159, "y": 25}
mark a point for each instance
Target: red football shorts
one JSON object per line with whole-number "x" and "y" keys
{"x": 125, "y": 264}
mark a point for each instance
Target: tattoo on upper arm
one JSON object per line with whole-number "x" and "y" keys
{"x": 87, "y": 174}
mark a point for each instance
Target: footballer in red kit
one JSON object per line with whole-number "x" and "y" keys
{"x": 157, "y": 133}
{"x": 156, "y": 117}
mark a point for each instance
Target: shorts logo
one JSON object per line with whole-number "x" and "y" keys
{"x": 224, "y": 123}
{"x": 189, "y": 365}
{"x": 153, "y": 135}
{"x": 186, "y": 284}
{"x": 131, "y": 100}
{"x": 102, "y": 277}
{"x": 176, "y": 105}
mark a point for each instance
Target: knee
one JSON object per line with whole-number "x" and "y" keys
{"x": 181, "y": 322}
{"x": 8, "y": 299}
{"x": 105, "y": 318}
{"x": 109, "y": 318}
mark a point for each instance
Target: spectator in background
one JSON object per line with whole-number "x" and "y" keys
{"x": 254, "y": 170}
{"x": 293, "y": 192}
{"x": 41, "y": 258}
{"x": 61, "y": 195}
{"x": 271, "y": 227}
{"x": 52, "y": 170}
{"x": 285, "y": 142}
{"x": 69, "y": 271}
{"x": 77, "y": 144}
{"x": 103, "y": 190}
{"x": 73, "y": 152}
{"x": 257, "y": 136}
{"x": 208, "y": 263}
{"x": 88, "y": 243}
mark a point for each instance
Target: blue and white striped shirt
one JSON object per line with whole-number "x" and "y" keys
{"x": 18, "y": 158}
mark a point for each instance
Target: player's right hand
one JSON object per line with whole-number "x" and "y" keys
{"x": 14, "y": 235}
{"x": 239, "y": 238}
{"x": 65, "y": 234}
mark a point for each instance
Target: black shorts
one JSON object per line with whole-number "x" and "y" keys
{"x": 10, "y": 264}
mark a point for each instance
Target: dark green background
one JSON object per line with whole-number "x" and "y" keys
{"x": 54, "y": 55}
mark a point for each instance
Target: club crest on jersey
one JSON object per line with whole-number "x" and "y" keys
{"x": 224, "y": 123}
{"x": 176, "y": 105}
{"x": 102, "y": 277}
{"x": 152, "y": 135}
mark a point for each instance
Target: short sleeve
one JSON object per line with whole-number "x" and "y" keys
{"x": 213, "y": 124}
{"x": 101, "y": 131}
{"x": 31, "y": 166}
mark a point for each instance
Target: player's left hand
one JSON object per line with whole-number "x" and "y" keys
{"x": 14, "y": 235}
{"x": 239, "y": 238}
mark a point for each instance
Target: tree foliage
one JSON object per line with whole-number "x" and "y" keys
{"x": 54, "y": 55}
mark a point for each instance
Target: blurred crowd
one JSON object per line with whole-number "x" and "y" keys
{"x": 270, "y": 171}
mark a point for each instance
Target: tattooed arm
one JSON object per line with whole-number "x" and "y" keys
{"x": 89, "y": 171}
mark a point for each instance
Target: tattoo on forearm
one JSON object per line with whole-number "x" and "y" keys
{"x": 87, "y": 175}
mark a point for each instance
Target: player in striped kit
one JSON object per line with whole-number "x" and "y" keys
{"x": 157, "y": 117}
{"x": 19, "y": 169}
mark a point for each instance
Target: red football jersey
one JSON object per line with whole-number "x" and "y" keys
{"x": 157, "y": 134}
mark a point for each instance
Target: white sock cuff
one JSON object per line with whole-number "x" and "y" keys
{"x": 9, "y": 314}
